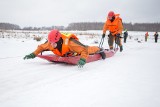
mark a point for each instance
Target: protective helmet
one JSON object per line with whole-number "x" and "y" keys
{"x": 54, "y": 36}
{"x": 111, "y": 15}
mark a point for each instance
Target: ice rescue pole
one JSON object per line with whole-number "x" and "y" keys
{"x": 116, "y": 43}
{"x": 101, "y": 43}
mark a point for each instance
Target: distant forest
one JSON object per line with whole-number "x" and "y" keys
{"x": 87, "y": 26}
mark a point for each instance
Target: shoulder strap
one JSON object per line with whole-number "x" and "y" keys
{"x": 79, "y": 43}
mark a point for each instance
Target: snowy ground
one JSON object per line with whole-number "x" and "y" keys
{"x": 129, "y": 79}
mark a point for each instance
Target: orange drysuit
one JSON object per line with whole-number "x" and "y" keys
{"x": 114, "y": 28}
{"x": 146, "y": 36}
{"x": 70, "y": 44}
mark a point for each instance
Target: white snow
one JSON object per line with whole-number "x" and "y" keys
{"x": 129, "y": 79}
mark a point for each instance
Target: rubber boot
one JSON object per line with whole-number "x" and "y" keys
{"x": 103, "y": 55}
{"x": 121, "y": 48}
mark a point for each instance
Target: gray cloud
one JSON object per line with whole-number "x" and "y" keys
{"x": 62, "y": 12}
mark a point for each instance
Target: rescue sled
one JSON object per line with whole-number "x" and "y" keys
{"x": 74, "y": 59}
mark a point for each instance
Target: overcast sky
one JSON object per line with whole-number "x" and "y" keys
{"x": 62, "y": 12}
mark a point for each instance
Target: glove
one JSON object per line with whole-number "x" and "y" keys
{"x": 32, "y": 55}
{"x": 81, "y": 62}
{"x": 118, "y": 35}
{"x": 109, "y": 35}
{"x": 103, "y": 35}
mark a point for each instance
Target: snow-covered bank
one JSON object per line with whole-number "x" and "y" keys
{"x": 129, "y": 79}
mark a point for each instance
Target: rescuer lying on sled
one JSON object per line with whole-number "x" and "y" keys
{"x": 65, "y": 44}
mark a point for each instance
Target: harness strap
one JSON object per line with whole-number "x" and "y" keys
{"x": 71, "y": 53}
{"x": 79, "y": 43}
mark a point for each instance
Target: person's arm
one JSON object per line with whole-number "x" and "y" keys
{"x": 42, "y": 47}
{"x": 80, "y": 49}
{"x": 39, "y": 49}
{"x": 105, "y": 27}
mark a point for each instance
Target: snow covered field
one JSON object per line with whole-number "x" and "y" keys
{"x": 128, "y": 79}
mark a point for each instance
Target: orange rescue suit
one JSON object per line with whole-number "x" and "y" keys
{"x": 146, "y": 34}
{"x": 68, "y": 46}
{"x": 114, "y": 27}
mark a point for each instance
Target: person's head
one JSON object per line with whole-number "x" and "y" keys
{"x": 53, "y": 37}
{"x": 111, "y": 16}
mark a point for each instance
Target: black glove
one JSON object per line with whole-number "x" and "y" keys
{"x": 103, "y": 35}
{"x": 109, "y": 35}
{"x": 30, "y": 56}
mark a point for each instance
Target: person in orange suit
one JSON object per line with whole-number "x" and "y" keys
{"x": 66, "y": 44}
{"x": 146, "y": 36}
{"x": 115, "y": 27}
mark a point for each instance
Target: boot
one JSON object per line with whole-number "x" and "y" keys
{"x": 103, "y": 55}
{"x": 121, "y": 48}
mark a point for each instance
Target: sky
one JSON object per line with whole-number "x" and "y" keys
{"x": 128, "y": 79}
{"x": 40, "y": 13}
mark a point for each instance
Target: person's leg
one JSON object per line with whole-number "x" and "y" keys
{"x": 119, "y": 43}
{"x": 95, "y": 49}
{"x": 110, "y": 41}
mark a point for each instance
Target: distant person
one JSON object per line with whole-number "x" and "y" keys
{"x": 115, "y": 27}
{"x": 156, "y": 36}
{"x": 146, "y": 36}
{"x": 66, "y": 44}
{"x": 125, "y": 35}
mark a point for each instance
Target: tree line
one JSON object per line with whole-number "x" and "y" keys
{"x": 9, "y": 26}
{"x": 87, "y": 26}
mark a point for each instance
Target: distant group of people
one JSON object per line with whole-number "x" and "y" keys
{"x": 155, "y": 36}
{"x": 63, "y": 43}
{"x": 125, "y": 35}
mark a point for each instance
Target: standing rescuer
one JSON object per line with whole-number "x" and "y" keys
{"x": 115, "y": 27}
{"x": 146, "y": 36}
{"x": 125, "y": 35}
{"x": 156, "y": 36}
{"x": 66, "y": 44}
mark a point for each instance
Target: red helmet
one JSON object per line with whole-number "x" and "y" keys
{"x": 111, "y": 15}
{"x": 54, "y": 36}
